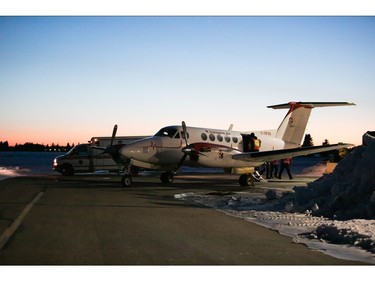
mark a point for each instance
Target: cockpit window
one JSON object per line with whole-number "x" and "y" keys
{"x": 168, "y": 132}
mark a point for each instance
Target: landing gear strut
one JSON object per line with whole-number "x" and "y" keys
{"x": 126, "y": 179}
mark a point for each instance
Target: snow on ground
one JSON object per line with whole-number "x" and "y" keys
{"x": 300, "y": 226}
{"x": 334, "y": 214}
{"x": 6, "y": 172}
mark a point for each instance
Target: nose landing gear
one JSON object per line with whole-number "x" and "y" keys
{"x": 126, "y": 181}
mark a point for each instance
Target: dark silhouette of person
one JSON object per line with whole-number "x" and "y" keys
{"x": 285, "y": 163}
{"x": 274, "y": 167}
{"x": 255, "y": 143}
{"x": 266, "y": 168}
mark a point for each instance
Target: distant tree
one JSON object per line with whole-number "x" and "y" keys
{"x": 326, "y": 142}
{"x": 4, "y": 146}
{"x": 308, "y": 141}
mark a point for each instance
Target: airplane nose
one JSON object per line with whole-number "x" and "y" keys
{"x": 141, "y": 150}
{"x": 130, "y": 150}
{"x": 126, "y": 151}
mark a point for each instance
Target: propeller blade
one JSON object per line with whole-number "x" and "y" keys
{"x": 185, "y": 132}
{"x": 181, "y": 161}
{"x": 113, "y": 134}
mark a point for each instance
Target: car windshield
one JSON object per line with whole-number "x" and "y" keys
{"x": 78, "y": 150}
{"x": 167, "y": 132}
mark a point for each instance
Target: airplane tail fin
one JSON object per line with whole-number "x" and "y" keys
{"x": 293, "y": 126}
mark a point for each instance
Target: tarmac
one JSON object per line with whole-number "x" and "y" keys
{"x": 91, "y": 220}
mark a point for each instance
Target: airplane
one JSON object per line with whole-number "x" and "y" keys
{"x": 177, "y": 145}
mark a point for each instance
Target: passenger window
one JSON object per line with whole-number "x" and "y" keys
{"x": 227, "y": 138}
{"x": 235, "y": 139}
{"x": 220, "y": 138}
{"x": 204, "y": 136}
{"x": 212, "y": 137}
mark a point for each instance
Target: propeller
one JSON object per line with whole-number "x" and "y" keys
{"x": 111, "y": 149}
{"x": 188, "y": 150}
{"x": 184, "y": 132}
{"x": 113, "y": 134}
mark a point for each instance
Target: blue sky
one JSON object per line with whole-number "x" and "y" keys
{"x": 66, "y": 79}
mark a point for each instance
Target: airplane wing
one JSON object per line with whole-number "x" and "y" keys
{"x": 266, "y": 156}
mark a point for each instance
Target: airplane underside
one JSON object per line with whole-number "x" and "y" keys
{"x": 246, "y": 172}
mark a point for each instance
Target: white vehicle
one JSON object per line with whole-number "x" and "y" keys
{"x": 91, "y": 157}
{"x": 169, "y": 148}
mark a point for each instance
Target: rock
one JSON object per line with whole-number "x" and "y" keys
{"x": 303, "y": 194}
{"x": 289, "y": 207}
{"x": 315, "y": 207}
{"x": 271, "y": 194}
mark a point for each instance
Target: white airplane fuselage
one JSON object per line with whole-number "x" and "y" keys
{"x": 164, "y": 149}
{"x": 168, "y": 149}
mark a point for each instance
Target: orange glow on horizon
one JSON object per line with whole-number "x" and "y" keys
{"x": 20, "y": 140}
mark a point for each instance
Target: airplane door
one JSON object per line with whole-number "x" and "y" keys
{"x": 245, "y": 143}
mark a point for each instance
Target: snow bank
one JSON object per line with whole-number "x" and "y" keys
{"x": 348, "y": 192}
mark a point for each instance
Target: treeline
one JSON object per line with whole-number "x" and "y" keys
{"x": 29, "y": 146}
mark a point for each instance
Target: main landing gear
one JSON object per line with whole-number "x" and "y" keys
{"x": 246, "y": 180}
{"x": 166, "y": 178}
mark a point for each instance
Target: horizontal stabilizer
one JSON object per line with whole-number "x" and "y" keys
{"x": 309, "y": 104}
{"x": 293, "y": 126}
{"x": 266, "y": 156}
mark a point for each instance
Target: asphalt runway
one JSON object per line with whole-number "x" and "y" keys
{"x": 91, "y": 220}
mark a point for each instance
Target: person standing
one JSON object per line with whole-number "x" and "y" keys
{"x": 255, "y": 143}
{"x": 274, "y": 167}
{"x": 285, "y": 163}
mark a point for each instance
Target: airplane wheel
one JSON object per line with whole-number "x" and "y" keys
{"x": 126, "y": 181}
{"x": 246, "y": 180}
{"x": 167, "y": 177}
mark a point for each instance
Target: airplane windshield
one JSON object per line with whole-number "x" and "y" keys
{"x": 167, "y": 132}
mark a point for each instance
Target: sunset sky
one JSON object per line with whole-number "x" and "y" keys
{"x": 67, "y": 79}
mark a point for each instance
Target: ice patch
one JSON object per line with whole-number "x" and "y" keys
{"x": 183, "y": 195}
{"x": 7, "y": 172}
